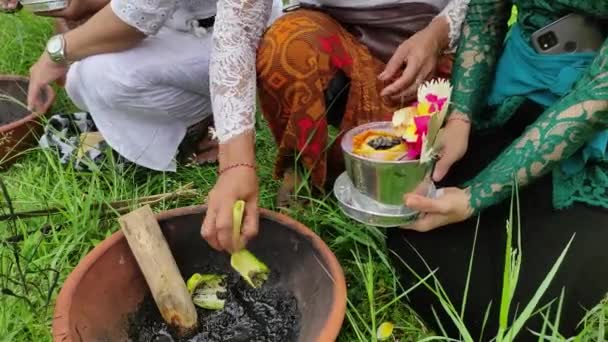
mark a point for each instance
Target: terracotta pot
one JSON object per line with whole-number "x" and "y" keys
{"x": 19, "y": 128}
{"x": 107, "y": 285}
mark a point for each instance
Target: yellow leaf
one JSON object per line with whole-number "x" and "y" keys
{"x": 385, "y": 331}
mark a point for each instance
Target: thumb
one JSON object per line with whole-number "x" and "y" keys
{"x": 424, "y": 204}
{"x": 426, "y": 223}
{"x": 393, "y": 66}
{"x": 442, "y": 167}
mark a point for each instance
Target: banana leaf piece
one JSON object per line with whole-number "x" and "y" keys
{"x": 208, "y": 291}
{"x": 246, "y": 264}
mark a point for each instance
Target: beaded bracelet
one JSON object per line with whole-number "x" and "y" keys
{"x": 233, "y": 166}
{"x": 459, "y": 118}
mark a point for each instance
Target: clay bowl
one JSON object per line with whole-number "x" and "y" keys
{"x": 107, "y": 285}
{"x": 19, "y": 127}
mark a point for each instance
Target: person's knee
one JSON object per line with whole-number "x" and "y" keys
{"x": 97, "y": 80}
{"x": 286, "y": 45}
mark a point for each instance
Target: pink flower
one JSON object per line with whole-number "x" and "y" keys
{"x": 436, "y": 102}
{"x": 422, "y": 124}
{"x": 414, "y": 149}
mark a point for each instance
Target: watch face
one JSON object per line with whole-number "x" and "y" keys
{"x": 55, "y": 45}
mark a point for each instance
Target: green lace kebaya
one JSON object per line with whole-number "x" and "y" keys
{"x": 559, "y": 132}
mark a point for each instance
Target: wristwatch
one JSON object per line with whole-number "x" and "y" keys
{"x": 56, "y": 49}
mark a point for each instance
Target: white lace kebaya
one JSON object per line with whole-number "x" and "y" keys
{"x": 237, "y": 32}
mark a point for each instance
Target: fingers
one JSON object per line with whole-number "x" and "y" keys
{"x": 250, "y": 222}
{"x": 443, "y": 165}
{"x": 409, "y": 74}
{"x": 426, "y": 205}
{"x": 224, "y": 227}
{"x": 33, "y": 99}
{"x": 9, "y": 4}
{"x": 394, "y": 64}
{"x": 423, "y": 74}
{"x": 411, "y": 92}
{"x": 209, "y": 230}
{"x": 427, "y": 222}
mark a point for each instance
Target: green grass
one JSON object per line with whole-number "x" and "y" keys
{"x": 52, "y": 246}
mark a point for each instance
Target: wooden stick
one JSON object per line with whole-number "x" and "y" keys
{"x": 160, "y": 270}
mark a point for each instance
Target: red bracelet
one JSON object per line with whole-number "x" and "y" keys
{"x": 233, "y": 166}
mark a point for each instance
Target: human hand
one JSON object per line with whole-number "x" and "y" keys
{"x": 9, "y": 5}
{"x": 418, "y": 57}
{"x": 453, "y": 142}
{"x": 237, "y": 183}
{"x": 452, "y": 205}
{"x": 42, "y": 74}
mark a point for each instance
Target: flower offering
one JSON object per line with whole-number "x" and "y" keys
{"x": 414, "y": 128}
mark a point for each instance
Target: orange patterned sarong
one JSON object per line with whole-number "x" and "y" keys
{"x": 298, "y": 57}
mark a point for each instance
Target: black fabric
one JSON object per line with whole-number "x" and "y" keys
{"x": 207, "y": 22}
{"x": 544, "y": 234}
{"x": 336, "y": 98}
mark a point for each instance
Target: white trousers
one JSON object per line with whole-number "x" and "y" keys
{"x": 144, "y": 99}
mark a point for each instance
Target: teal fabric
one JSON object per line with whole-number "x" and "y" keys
{"x": 521, "y": 71}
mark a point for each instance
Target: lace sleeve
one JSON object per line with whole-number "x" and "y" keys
{"x": 238, "y": 28}
{"x": 148, "y": 16}
{"x": 454, "y": 13}
{"x": 483, "y": 32}
{"x": 555, "y": 136}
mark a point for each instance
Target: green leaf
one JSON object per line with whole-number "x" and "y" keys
{"x": 208, "y": 291}
{"x": 527, "y": 312}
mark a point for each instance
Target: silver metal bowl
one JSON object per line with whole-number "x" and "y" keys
{"x": 363, "y": 209}
{"x": 383, "y": 181}
{"x": 44, "y": 5}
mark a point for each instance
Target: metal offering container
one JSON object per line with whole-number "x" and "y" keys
{"x": 384, "y": 181}
{"x": 370, "y": 212}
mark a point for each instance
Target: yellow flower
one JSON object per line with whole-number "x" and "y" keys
{"x": 385, "y": 331}
{"x": 424, "y": 108}
{"x": 409, "y": 133}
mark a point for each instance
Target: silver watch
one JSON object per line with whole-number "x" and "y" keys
{"x": 56, "y": 49}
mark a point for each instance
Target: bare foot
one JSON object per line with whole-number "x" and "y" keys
{"x": 207, "y": 151}
{"x": 286, "y": 196}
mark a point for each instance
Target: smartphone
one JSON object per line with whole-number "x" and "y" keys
{"x": 570, "y": 34}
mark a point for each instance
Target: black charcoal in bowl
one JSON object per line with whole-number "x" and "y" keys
{"x": 384, "y": 143}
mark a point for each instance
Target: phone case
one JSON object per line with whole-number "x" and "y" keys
{"x": 573, "y": 33}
